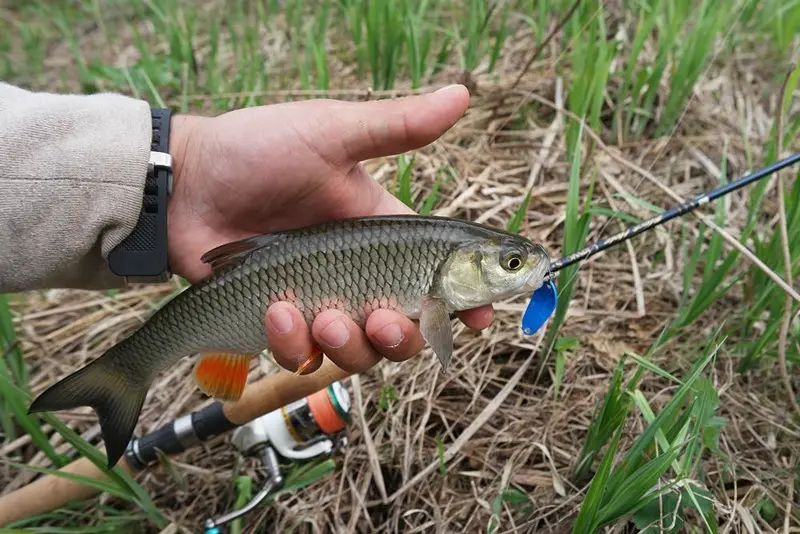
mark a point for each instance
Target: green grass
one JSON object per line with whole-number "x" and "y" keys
{"x": 105, "y": 519}
{"x": 762, "y": 295}
{"x": 403, "y": 181}
{"x": 14, "y": 388}
{"x": 576, "y": 228}
{"x": 625, "y": 89}
{"x": 697, "y": 297}
{"x": 672, "y": 443}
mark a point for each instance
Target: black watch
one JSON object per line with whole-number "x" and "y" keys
{"x": 142, "y": 256}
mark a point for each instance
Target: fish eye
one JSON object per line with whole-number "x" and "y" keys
{"x": 512, "y": 262}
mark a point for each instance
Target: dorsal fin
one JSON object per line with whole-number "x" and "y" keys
{"x": 235, "y": 252}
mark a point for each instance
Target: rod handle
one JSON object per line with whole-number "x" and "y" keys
{"x": 50, "y": 492}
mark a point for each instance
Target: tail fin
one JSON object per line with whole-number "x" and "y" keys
{"x": 117, "y": 400}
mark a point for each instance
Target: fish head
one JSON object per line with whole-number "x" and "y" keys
{"x": 487, "y": 270}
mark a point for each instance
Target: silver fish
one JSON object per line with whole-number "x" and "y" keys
{"x": 423, "y": 267}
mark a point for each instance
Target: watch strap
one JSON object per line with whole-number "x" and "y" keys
{"x": 142, "y": 256}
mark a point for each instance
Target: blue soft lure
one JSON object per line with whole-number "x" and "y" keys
{"x": 540, "y": 308}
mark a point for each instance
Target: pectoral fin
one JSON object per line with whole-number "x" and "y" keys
{"x": 434, "y": 323}
{"x": 234, "y": 253}
{"x": 222, "y": 376}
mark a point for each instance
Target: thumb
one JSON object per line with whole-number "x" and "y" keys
{"x": 388, "y": 127}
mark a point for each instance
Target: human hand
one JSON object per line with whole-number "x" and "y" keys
{"x": 270, "y": 168}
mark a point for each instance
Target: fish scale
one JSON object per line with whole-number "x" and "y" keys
{"x": 422, "y": 267}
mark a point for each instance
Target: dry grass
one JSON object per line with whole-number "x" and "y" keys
{"x": 528, "y": 440}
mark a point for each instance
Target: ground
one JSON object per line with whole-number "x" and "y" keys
{"x": 491, "y": 444}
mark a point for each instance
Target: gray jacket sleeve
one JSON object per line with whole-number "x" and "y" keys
{"x": 72, "y": 171}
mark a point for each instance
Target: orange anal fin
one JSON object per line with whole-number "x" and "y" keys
{"x": 222, "y": 376}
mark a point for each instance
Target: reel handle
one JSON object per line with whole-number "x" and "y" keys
{"x": 275, "y": 481}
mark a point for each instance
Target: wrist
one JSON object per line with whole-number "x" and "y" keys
{"x": 181, "y": 127}
{"x": 183, "y": 140}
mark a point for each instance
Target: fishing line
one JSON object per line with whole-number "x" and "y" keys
{"x": 544, "y": 299}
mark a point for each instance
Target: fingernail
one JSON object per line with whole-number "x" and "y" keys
{"x": 280, "y": 320}
{"x": 390, "y": 335}
{"x": 446, "y": 88}
{"x": 304, "y": 365}
{"x": 335, "y": 334}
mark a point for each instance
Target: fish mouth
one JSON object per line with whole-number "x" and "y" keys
{"x": 536, "y": 279}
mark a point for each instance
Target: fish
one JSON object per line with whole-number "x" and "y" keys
{"x": 425, "y": 267}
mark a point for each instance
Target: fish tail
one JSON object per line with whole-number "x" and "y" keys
{"x": 117, "y": 399}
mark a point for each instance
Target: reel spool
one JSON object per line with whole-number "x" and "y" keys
{"x": 302, "y": 429}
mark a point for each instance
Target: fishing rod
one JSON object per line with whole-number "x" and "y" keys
{"x": 283, "y": 388}
{"x": 672, "y": 213}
